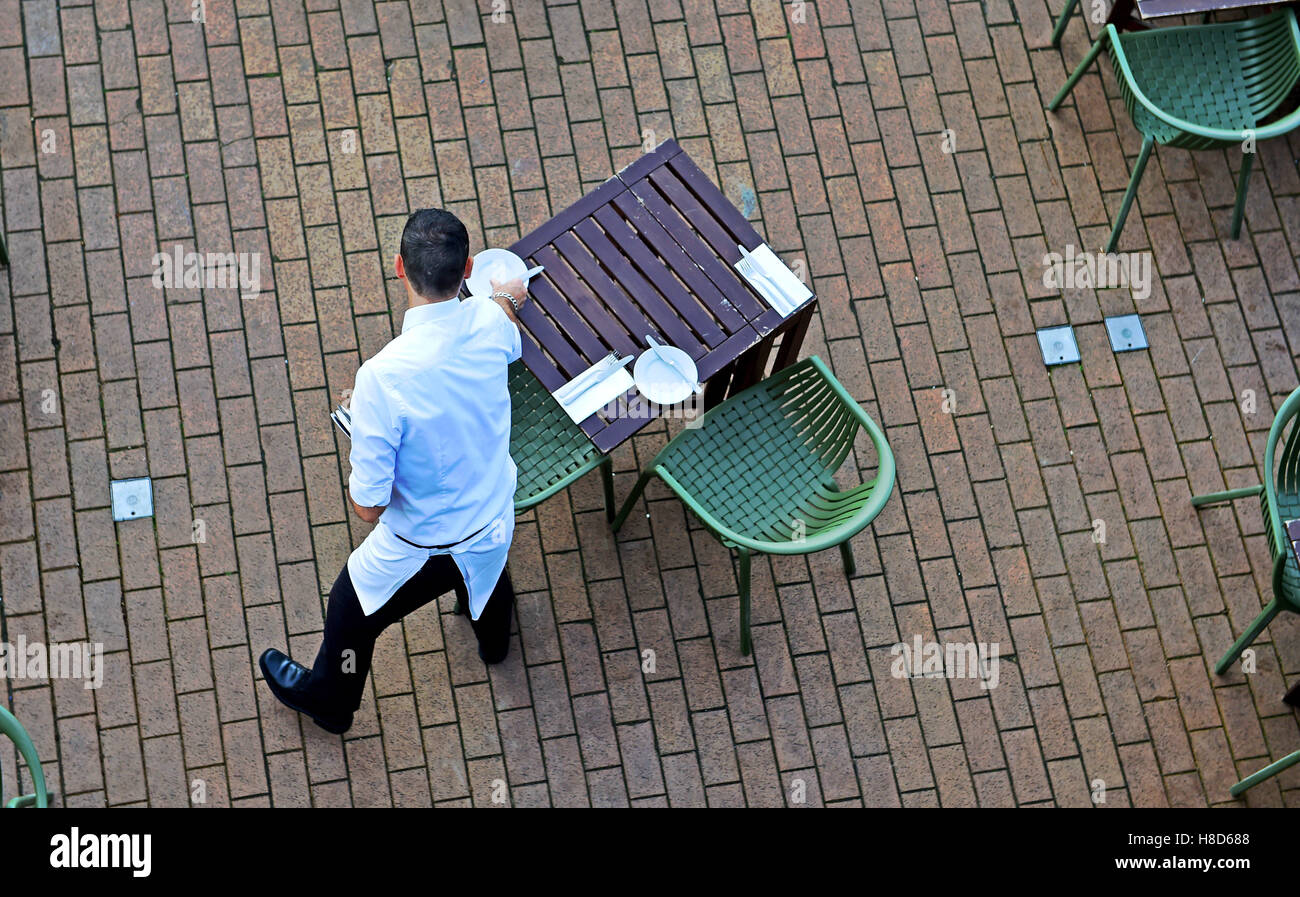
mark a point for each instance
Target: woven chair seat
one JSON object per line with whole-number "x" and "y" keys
{"x": 763, "y": 463}
{"x": 549, "y": 449}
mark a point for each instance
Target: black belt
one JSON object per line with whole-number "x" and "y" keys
{"x": 443, "y": 547}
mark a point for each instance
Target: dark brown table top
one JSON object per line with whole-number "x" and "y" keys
{"x": 1152, "y": 9}
{"x": 648, "y": 251}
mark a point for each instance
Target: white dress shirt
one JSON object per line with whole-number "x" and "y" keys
{"x": 431, "y": 441}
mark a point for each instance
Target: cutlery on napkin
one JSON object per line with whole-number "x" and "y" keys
{"x": 595, "y": 387}
{"x": 771, "y": 279}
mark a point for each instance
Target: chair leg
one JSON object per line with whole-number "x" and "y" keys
{"x": 4, "y": 252}
{"x": 1267, "y": 772}
{"x": 1252, "y": 632}
{"x": 1243, "y": 181}
{"x": 1063, "y": 21}
{"x": 1148, "y": 143}
{"x": 1213, "y": 498}
{"x": 607, "y": 480}
{"x": 1077, "y": 74}
{"x": 846, "y": 552}
{"x": 746, "y": 645}
{"x": 631, "y": 499}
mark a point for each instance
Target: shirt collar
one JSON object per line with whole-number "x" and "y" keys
{"x": 430, "y": 312}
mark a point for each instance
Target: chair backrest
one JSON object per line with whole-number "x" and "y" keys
{"x": 11, "y": 728}
{"x": 1270, "y": 52}
{"x": 1228, "y": 77}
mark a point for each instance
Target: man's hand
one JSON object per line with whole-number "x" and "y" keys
{"x": 516, "y": 288}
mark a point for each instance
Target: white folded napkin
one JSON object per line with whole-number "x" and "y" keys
{"x": 610, "y": 382}
{"x": 794, "y": 292}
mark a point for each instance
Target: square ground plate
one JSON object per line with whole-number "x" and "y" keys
{"x": 132, "y": 498}
{"x": 1126, "y": 333}
{"x": 1058, "y": 345}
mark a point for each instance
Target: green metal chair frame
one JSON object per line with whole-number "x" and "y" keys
{"x": 14, "y": 731}
{"x": 1062, "y": 20}
{"x": 1278, "y": 495}
{"x": 550, "y": 450}
{"x": 1267, "y": 772}
{"x": 758, "y": 471}
{"x": 1231, "y": 76}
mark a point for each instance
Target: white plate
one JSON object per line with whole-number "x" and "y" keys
{"x": 494, "y": 264}
{"x": 657, "y": 380}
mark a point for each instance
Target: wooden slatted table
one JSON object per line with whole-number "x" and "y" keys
{"x": 650, "y": 251}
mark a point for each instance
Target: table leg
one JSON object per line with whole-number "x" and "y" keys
{"x": 792, "y": 341}
{"x": 1121, "y": 16}
{"x": 751, "y": 366}
{"x": 716, "y": 389}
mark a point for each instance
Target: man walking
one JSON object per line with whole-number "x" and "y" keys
{"x": 431, "y": 468}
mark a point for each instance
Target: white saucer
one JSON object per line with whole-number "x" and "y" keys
{"x": 656, "y": 379}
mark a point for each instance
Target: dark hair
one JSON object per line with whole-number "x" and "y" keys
{"x": 435, "y": 246}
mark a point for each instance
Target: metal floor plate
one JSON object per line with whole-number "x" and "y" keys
{"x": 132, "y": 498}
{"x": 1126, "y": 333}
{"x": 1058, "y": 345}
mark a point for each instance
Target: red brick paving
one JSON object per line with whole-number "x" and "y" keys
{"x": 896, "y": 149}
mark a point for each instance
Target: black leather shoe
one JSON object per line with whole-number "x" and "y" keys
{"x": 286, "y": 677}
{"x": 492, "y": 660}
{"x": 1293, "y": 696}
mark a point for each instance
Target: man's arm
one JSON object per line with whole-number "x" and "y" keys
{"x": 376, "y": 434}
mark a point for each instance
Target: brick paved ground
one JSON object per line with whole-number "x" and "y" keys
{"x": 126, "y": 128}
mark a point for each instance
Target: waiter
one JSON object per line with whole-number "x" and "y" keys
{"x": 431, "y": 468}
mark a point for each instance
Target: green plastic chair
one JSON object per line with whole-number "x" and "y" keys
{"x": 1202, "y": 87}
{"x": 758, "y": 471}
{"x": 550, "y": 450}
{"x": 1279, "y": 499}
{"x": 14, "y": 731}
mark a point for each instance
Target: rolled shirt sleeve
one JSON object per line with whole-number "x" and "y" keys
{"x": 514, "y": 340}
{"x": 376, "y": 434}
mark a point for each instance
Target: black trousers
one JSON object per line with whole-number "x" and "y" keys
{"x": 338, "y": 677}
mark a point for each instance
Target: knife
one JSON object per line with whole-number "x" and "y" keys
{"x": 786, "y": 304}
{"x": 655, "y": 346}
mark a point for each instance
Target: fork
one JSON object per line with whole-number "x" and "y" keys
{"x": 589, "y": 378}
